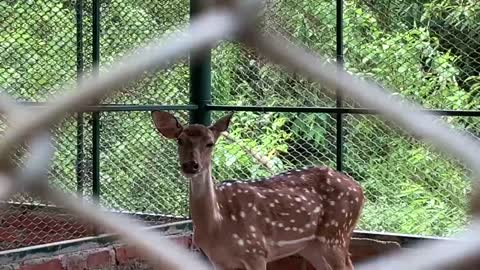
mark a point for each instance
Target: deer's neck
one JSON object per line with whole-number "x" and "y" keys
{"x": 203, "y": 203}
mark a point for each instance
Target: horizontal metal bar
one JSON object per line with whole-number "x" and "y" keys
{"x": 124, "y": 107}
{"x": 405, "y": 240}
{"x": 292, "y": 109}
{"x": 331, "y": 110}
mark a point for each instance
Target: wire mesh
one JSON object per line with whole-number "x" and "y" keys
{"x": 241, "y": 76}
{"x": 27, "y": 220}
{"x": 139, "y": 170}
{"x": 410, "y": 188}
{"x": 37, "y": 47}
{"x": 426, "y": 50}
{"x": 124, "y": 25}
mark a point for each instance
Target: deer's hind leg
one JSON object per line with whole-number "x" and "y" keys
{"x": 325, "y": 257}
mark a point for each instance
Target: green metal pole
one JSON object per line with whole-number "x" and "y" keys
{"x": 200, "y": 82}
{"x": 200, "y": 78}
{"x": 96, "y": 115}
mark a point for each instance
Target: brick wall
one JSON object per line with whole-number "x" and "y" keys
{"x": 124, "y": 257}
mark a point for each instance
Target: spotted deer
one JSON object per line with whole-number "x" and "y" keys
{"x": 244, "y": 225}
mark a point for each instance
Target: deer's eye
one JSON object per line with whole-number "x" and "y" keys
{"x": 180, "y": 142}
{"x": 209, "y": 145}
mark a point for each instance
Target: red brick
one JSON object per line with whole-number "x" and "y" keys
{"x": 100, "y": 258}
{"x": 125, "y": 253}
{"x": 55, "y": 264}
{"x": 75, "y": 262}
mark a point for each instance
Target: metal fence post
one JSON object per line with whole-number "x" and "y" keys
{"x": 96, "y": 115}
{"x": 339, "y": 101}
{"x": 200, "y": 78}
{"x": 79, "y": 165}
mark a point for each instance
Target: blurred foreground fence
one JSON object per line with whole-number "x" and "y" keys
{"x": 427, "y": 50}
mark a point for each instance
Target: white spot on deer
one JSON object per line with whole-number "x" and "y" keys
{"x": 254, "y": 208}
{"x": 276, "y": 201}
{"x": 307, "y": 225}
{"x": 280, "y": 194}
{"x": 298, "y": 210}
{"x": 272, "y": 205}
{"x": 267, "y": 219}
{"x": 249, "y": 242}
{"x": 356, "y": 199}
{"x": 235, "y": 236}
{"x": 250, "y": 204}
{"x": 294, "y": 229}
{"x": 280, "y": 225}
{"x": 229, "y": 200}
{"x": 297, "y": 199}
{"x": 254, "y": 235}
{"x": 247, "y": 251}
{"x": 351, "y": 202}
{"x": 303, "y": 197}
{"x": 339, "y": 180}
{"x": 343, "y": 211}
{"x": 242, "y": 214}
{"x": 331, "y": 202}
{"x": 292, "y": 220}
{"x": 233, "y": 217}
{"x": 291, "y": 189}
{"x": 328, "y": 181}
{"x": 234, "y": 194}
{"x": 252, "y": 228}
{"x": 300, "y": 230}
{"x": 303, "y": 208}
{"x": 316, "y": 210}
{"x": 329, "y": 173}
{"x": 287, "y": 228}
{"x": 285, "y": 243}
{"x": 240, "y": 242}
{"x": 322, "y": 239}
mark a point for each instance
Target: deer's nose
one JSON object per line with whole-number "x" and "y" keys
{"x": 190, "y": 167}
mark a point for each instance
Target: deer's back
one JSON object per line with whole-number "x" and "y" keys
{"x": 297, "y": 200}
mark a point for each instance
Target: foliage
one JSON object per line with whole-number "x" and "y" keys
{"x": 426, "y": 51}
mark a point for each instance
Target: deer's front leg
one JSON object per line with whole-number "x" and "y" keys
{"x": 256, "y": 263}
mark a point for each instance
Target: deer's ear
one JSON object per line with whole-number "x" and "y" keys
{"x": 221, "y": 125}
{"x": 167, "y": 124}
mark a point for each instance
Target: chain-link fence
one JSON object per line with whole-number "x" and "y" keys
{"x": 427, "y": 50}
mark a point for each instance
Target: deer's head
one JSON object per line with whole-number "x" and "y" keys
{"x": 195, "y": 142}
